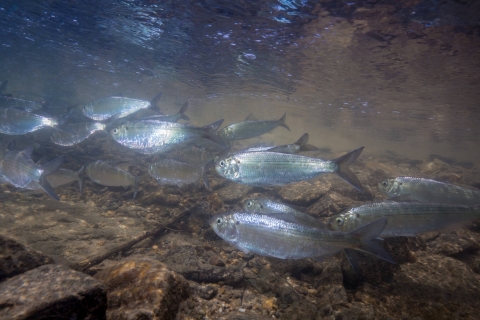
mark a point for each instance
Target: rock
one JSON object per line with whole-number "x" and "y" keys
{"x": 16, "y": 258}
{"x": 185, "y": 260}
{"x": 454, "y": 243}
{"x": 332, "y": 203}
{"x": 143, "y": 289}
{"x": 206, "y": 292}
{"x": 270, "y": 304}
{"x": 52, "y": 292}
{"x": 233, "y": 192}
{"x": 159, "y": 198}
{"x": 303, "y": 193}
{"x": 215, "y": 260}
{"x": 301, "y": 310}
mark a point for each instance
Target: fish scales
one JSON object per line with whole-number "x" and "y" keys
{"x": 405, "y": 218}
{"x": 268, "y": 236}
{"x": 78, "y": 133}
{"x": 250, "y": 129}
{"x": 105, "y": 108}
{"x": 105, "y": 174}
{"x": 272, "y": 168}
{"x": 427, "y": 190}
{"x": 17, "y": 122}
{"x": 170, "y": 171}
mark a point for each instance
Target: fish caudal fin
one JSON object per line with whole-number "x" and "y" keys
{"x": 282, "y": 122}
{"x": 344, "y": 172}
{"x": 182, "y": 111}
{"x": 211, "y": 128}
{"x": 370, "y": 241}
{"x": 49, "y": 168}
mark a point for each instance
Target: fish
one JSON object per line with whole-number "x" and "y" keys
{"x": 103, "y": 173}
{"x": 105, "y": 108}
{"x": 251, "y": 128}
{"x": 153, "y": 136}
{"x": 180, "y": 115}
{"x": 169, "y": 171}
{"x": 78, "y": 132}
{"x": 427, "y": 190}
{"x": 18, "y": 169}
{"x": 7, "y": 101}
{"x": 405, "y": 218}
{"x": 3, "y": 87}
{"x": 268, "y": 236}
{"x": 281, "y": 211}
{"x": 63, "y": 177}
{"x": 300, "y": 145}
{"x": 18, "y": 122}
{"x": 193, "y": 155}
{"x": 265, "y": 168}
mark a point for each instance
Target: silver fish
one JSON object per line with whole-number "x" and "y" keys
{"x": 427, "y": 190}
{"x": 17, "y": 122}
{"x": 18, "y": 168}
{"x": 103, "y": 173}
{"x": 62, "y": 177}
{"x": 405, "y": 218}
{"x": 118, "y": 106}
{"x": 251, "y": 128}
{"x": 266, "y": 168}
{"x": 7, "y": 101}
{"x": 281, "y": 211}
{"x": 180, "y": 115}
{"x": 78, "y": 132}
{"x": 173, "y": 172}
{"x": 268, "y": 236}
{"x": 152, "y": 136}
{"x": 193, "y": 155}
{"x": 300, "y": 145}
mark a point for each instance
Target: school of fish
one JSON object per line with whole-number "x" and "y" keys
{"x": 262, "y": 226}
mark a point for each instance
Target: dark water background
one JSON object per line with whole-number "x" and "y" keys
{"x": 391, "y": 75}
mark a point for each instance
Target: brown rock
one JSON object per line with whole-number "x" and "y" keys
{"x": 16, "y": 258}
{"x": 233, "y": 192}
{"x": 143, "y": 289}
{"x": 52, "y": 292}
{"x": 303, "y": 193}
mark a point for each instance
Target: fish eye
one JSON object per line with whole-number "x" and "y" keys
{"x": 219, "y": 221}
{"x": 249, "y": 203}
{"x": 115, "y": 130}
{"x": 384, "y": 183}
{"x": 339, "y": 221}
{"x": 222, "y": 163}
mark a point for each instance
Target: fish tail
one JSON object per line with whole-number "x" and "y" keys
{"x": 282, "y": 121}
{"x": 155, "y": 100}
{"x": 210, "y": 164}
{"x": 49, "y": 168}
{"x": 182, "y": 111}
{"x": 135, "y": 187}
{"x": 211, "y": 128}
{"x": 344, "y": 172}
{"x": 370, "y": 241}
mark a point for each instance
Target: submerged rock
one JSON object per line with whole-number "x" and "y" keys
{"x": 52, "y": 292}
{"x": 16, "y": 258}
{"x": 143, "y": 289}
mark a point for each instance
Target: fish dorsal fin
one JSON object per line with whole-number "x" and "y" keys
{"x": 251, "y": 117}
{"x": 302, "y": 140}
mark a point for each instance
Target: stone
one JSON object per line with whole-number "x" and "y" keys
{"x": 52, "y": 292}
{"x": 332, "y": 203}
{"x": 185, "y": 260}
{"x": 16, "y": 258}
{"x": 303, "y": 193}
{"x": 206, "y": 292}
{"x": 233, "y": 192}
{"x": 300, "y": 310}
{"x": 143, "y": 289}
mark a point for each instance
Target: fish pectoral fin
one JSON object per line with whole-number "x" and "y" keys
{"x": 47, "y": 188}
{"x": 241, "y": 248}
{"x": 369, "y": 239}
{"x": 352, "y": 257}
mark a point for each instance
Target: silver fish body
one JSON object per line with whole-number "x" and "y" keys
{"x": 62, "y": 177}
{"x": 405, "y": 218}
{"x": 268, "y": 236}
{"x": 173, "y": 172}
{"x": 300, "y": 145}
{"x": 152, "y": 136}
{"x": 281, "y": 211}
{"x": 105, "y": 108}
{"x": 193, "y": 155}
{"x": 427, "y": 190}
{"x": 25, "y": 105}
{"x": 266, "y": 168}
{"x": 78, "y": 132}
{"x": 18, "y": 168}
{"x": 250, "y": 129}
{"x": 17, "y": 122}
{"x": 103, "y": 173}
